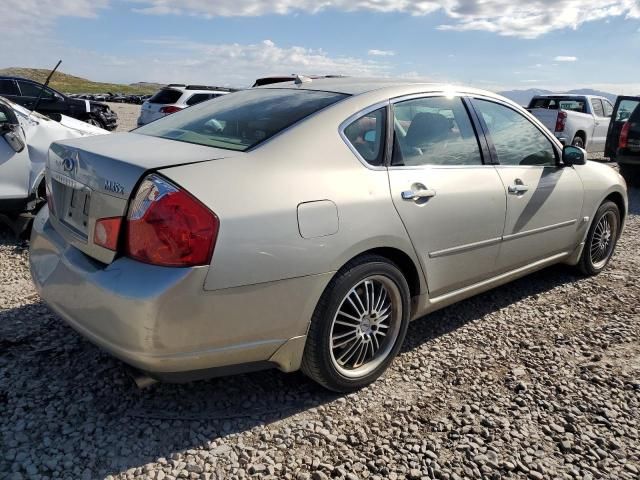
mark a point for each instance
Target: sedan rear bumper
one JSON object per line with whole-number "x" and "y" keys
{"x": 162, "y": 321}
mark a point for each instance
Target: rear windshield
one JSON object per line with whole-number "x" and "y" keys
{"x": 240, "y": 120}
{"x": 558, "y": 103}
{"x": 165, "y": 96}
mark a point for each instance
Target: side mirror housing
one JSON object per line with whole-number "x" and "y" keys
{"x": 573, "y": 156}
{"x": 10, "y": 133}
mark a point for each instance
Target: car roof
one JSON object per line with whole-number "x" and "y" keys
{"x": 358, "y": 86}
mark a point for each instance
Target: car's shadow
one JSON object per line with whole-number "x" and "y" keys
{"x": 77, "y": 397}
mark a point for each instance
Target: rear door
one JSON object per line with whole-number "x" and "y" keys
{"x": 600, "y": 126}
{"x": 544, "y": 198}
{"x": 624, "y": 108}
{"x": 451, "y": 203}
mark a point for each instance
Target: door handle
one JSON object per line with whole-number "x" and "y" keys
{"x": 517, "y": 189}
{"x": 418, "y": 194}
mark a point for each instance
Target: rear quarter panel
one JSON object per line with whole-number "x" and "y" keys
{"x": 256, "y": 196}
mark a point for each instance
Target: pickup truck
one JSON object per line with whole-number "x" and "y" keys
{"x": 578, "y": 120}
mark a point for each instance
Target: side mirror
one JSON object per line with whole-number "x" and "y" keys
{"x": 10, "y": 133}
{"x": 573, "y": 156}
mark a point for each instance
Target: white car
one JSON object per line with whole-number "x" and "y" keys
{"x": 176, "y": 97}
{"x": 26, "y": 137}
{"x": 578, "y": 120}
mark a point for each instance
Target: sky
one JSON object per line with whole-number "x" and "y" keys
{"x": 492, "y": 44}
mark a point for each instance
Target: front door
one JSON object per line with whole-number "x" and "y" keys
{"x": 624, "y": 110}
{"x": 451, "y": 203}
{"x": 544, "y": 199}
{"x": 15, "y": 167}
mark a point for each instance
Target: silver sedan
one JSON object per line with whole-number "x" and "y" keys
{"x": 303, "y": 225}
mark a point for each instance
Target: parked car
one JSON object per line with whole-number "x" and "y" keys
{"x": 176, "y": 97}
{"x": 304, "y": 226}
{"x": 579, "y": 120}
{"x": 53, "y": 104}
{"x": 623, "y": 139}
{"x": 24, "y": 146}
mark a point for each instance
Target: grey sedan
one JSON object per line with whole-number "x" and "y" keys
{"x": 303, "y": 225}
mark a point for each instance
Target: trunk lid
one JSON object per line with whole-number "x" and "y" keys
{"x": 94, "y": 178}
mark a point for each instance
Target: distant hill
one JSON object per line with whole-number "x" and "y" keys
{"x": 71, "y": 84}
{"x": 522, "y": 97}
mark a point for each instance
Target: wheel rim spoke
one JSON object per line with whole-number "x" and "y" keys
{"x": 365, "y": 326}
{"x": 602, "y": 241}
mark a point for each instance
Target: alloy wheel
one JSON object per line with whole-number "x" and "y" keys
{"x": 366, "y": 326}
{"x": 602, "y": 241}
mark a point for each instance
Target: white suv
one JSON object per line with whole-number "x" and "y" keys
{"x": 175, "y": 97}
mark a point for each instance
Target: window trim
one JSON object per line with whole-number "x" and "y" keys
{"x": 482, "y": 144}
{"x": 591, "y": 100}
{"x": 361, "y": 113}
{"x": 555, "y": 143}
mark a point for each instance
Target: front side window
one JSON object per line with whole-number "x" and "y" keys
{"x": 517, "y": 141}
{"x": 434, "y": 131}
{"x": 597, "y": 107}
{"x": 240, "y": 120}
{"x": 608, "y": 108}
{"x": 367, "y": 134}
{"x": 625, "y": 109}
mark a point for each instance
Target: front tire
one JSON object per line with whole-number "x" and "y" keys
{"x": 601, "y": 239}
{"x": 95, "y": 122}
{"x": 358, "y": 326}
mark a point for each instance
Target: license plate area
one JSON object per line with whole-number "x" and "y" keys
{"x": 75, "y": 204}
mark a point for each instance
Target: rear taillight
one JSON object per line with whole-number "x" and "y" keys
{"x": 106, "y": 232}
{"x": 561, "y": 121}
{"x": 170, "y": 109}
{"x": 624, "y": 135}
{"x": 167, "y": 226}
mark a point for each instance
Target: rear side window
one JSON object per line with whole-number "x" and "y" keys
{"x": 8, "y": 87}
{"x": 241, "y": 120}
{"x": 366, "y": 135}
{"x": 517, "y": 141}
{"x": 197, "y": 98}
{"x": 434, "y": 131}
{"x": 29, "y": 89}
{"x": 166, "y": 96}
{"x": 598, "y": 110}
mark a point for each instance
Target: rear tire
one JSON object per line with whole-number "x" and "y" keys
{"x": 358, "y": 325}
{"x": 601, "y": 239}
{"x": 578, "y": 141}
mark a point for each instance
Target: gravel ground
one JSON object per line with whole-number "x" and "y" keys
{"x": 127, "y": 115}
{"x": 537, "y": 379}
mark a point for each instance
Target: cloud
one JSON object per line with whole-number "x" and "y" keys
{"x": 239, "y": 64}
{"x": 35, "y": 17}
{"x": 519, "y": 18}
{"x": 565, "y": 58}
{"x": 381, "y": 53}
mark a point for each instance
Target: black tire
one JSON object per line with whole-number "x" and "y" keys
{"x": 96, "y": 122}
{"x": 319, "y": 361}
{"x": 588, "y": 264}
{"x": 578, "y": 141}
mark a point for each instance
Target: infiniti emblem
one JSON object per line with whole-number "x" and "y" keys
{"x": 68, "y": 164}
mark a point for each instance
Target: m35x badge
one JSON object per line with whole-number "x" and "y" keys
{"x": 113, "y": 187}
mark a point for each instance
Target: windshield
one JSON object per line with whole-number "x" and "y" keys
{"x": 240, "y": 120}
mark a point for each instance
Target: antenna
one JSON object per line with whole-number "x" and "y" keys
{"x": 35, "y": 105}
